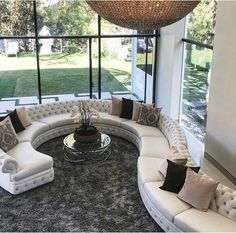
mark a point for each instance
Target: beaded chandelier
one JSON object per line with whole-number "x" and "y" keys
{"x": 142, "y": 14}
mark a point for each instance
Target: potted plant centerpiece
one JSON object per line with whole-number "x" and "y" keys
{"x": 86, "y": 132}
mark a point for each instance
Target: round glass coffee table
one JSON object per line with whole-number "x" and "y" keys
{"x": 77, "y": 152}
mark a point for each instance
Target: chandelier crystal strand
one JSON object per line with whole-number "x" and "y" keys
{"x": 142, "y": 14}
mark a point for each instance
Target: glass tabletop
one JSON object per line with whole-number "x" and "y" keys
{"x": 89, "y": 147}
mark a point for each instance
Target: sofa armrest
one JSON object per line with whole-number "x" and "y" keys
{"x": 8, "y": 164}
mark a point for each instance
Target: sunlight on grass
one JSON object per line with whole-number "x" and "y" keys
{"x": 60, "y": 74}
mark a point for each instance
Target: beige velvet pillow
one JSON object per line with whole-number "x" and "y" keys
{"x": 175, "y": 156}
{"x": 23, "y": 115}
{"x": 197, "y": 190}
{"x": 136, "y": 110}
{"x": 116, "y": 106}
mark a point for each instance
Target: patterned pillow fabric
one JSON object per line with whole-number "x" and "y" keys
{"x": 149, "y": 116}
{"x": 8, "y": 137}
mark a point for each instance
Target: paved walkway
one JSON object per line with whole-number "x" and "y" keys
{"x": 13, "y": 102}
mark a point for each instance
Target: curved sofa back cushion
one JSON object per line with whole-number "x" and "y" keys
{"x": 173, "y": 132}
{"x": 224, "y": 202}
{"x": 40, "y": 111}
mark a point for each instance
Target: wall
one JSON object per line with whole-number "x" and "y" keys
{"x": 170, "y": 68}
{"x": 220, "y": 145}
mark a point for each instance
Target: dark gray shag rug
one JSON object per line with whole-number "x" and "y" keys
{"x": 94, "y": 196}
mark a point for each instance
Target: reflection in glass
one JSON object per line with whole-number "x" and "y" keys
{"x": 195, "y": 89}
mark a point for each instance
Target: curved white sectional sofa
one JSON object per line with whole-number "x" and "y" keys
{"x": 26, "y": 168}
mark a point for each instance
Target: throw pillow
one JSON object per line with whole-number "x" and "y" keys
{"x": 23, "y": 116}
{"x": 8, "y": 137}
{"x": 175, "y": 156}
{"x": 198, "y": 190}
{"x": 116, "y": 106}
{"x": 15, "y": 121}
{"x": 127, "y": 108}
{"x": 136, "y": 110}
{"x": 175, "y": 177}
{"x": 149, "y": 115}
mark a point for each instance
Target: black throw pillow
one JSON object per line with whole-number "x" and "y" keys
{"x": 127, "y": 108}
{"x": 18, "y": 126}
{"x": 175, "y": 177}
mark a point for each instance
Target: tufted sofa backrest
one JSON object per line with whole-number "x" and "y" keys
{"x": 172, "y": 131}
{"x": 224, "y": 202}
{"x": 44, "y": 110}
{"x": 39, "y": 111}
{"x": 175, "y": 135}
{"x": 99, "y": 105}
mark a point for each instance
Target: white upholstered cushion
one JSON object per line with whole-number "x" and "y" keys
{"x": 166, "y": 202}
{"x": 58, "y": 120}
{"x": 108, "y": 119}
{"x": 32, "y": 131}
{"x": 148, "y": 169}
{"x": 141, "y": 130}
{"x": 157, "y": 147}
{"x": 30, "y": 161}
{"x": 196, "y": 220}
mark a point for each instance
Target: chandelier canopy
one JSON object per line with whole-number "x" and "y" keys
{"x": 142, "y": 14}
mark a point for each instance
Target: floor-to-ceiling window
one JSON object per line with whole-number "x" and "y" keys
{"x": 54, "y": 50}
{"x": 198, "y": 45}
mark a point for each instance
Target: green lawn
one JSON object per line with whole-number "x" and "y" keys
{"x": 60, "y": 74}
{"x": 201, "y": 57}
{"x": 195, "y": 76}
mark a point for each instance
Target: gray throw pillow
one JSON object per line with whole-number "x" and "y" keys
{"x": 197, "y": 190}
{"x": 149, "y": 115}
{"x": 116, "y": 106}
{"x": 136, "y": 110}
{"x": 8, "y": 137}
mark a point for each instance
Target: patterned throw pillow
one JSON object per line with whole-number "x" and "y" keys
{"x": 16, "y": 123}
{"x": 8, "y": 137}
{"x": 149, "y": 116}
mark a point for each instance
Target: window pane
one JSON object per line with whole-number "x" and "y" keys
{"x": 139, "y": 68}
{"x": 18, "y": 75}
{"x": 71, "y": 17}
{"x": 17, "y": 18}
{"x": 116, "y": 67}
{"x": 201, "y": 22}
{"x": 65, "y": 69}
{"x": 195, "y": 89}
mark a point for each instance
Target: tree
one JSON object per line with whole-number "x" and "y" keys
{"x": 67, "y": 18}
{"x": 201, "y": 22}
{"x": 17, "y": 19}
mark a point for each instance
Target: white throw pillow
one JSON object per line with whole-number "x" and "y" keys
{"x": 23, "y": 116}
{"x": 175, "y": 156}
